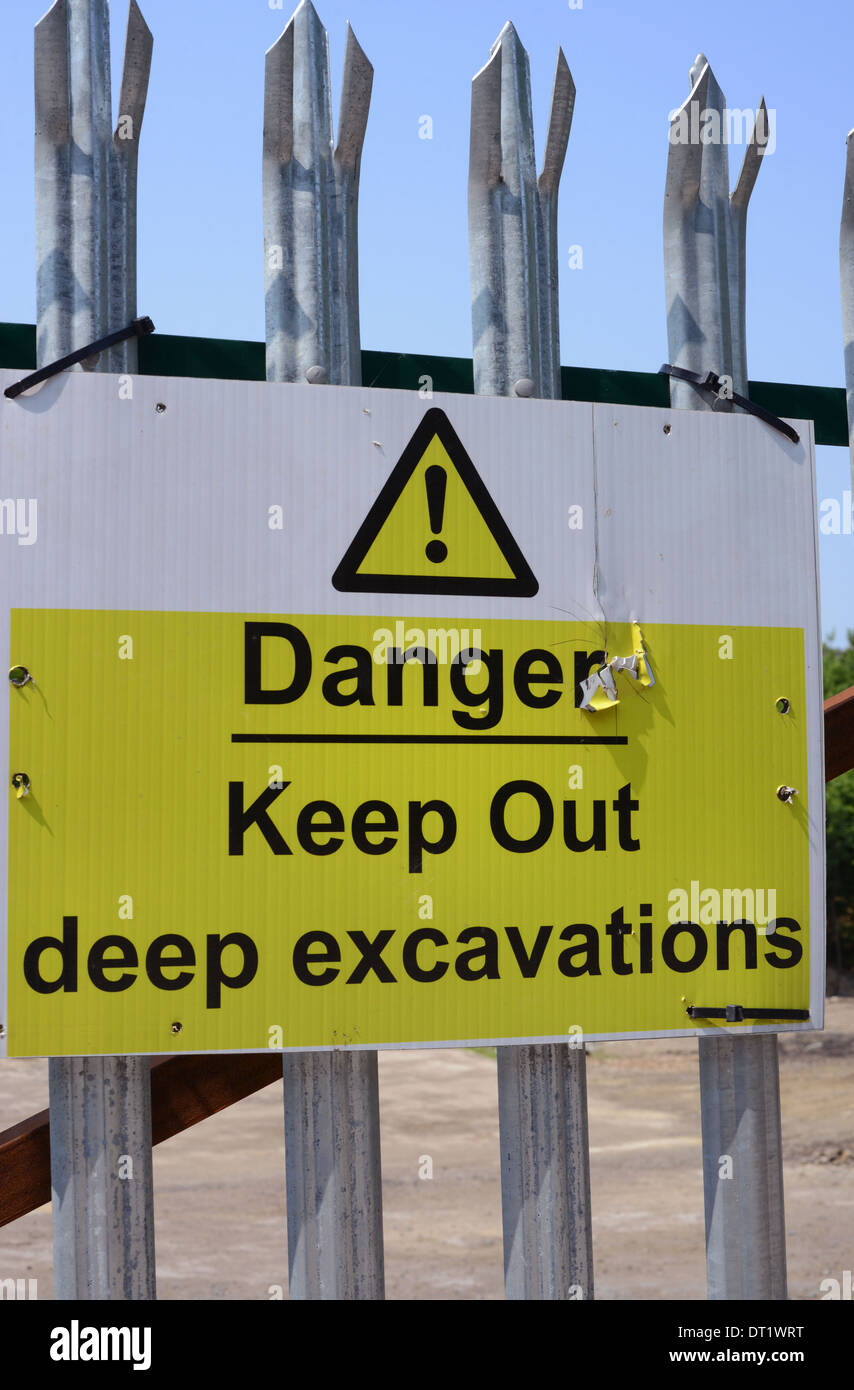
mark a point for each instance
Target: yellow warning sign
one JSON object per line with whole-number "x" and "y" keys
{"x": 246, "y": 831}
{"x": 435, "y": 529}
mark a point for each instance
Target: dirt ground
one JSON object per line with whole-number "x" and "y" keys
{"x": 219, "y": 1187}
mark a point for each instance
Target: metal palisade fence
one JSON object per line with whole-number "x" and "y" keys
{"x": 704, "y": 258}
{"x": 332, "y": 1115}
{"x": 103, "y": 1229}
{"x": 542, "y": 1090}
{"x": 86, "y": 255}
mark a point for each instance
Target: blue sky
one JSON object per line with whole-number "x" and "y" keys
{"x": 200, "y": 238}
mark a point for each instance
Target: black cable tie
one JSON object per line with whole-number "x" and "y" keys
{"x": 138, "y": 329}
{"x": 737, "y": 1013}
{"x": 712, "y": 382}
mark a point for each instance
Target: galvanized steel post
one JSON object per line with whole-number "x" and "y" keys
{"x": 542, "y": 1090}
{"x": 332, "y": 1124}
{"x": 705, "y": 232}
{"x": 704, "y": 255}
{"x": 311, "y": 203}
{"x": 100, "y": 1107}
{"x": 846, "y": 274}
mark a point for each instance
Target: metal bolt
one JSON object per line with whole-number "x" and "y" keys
{"x": 782, "y": 706}
{"x": 21, "y": 783}
{"x": 317, "y": 376}
{"x": 160, "y": 408}
{"x": 667, "y": 429}
{"x": 786, "y": 794}
{"x": 19, "y": 675}
{"x": 524, "y": 386}
{"x": 176, "y": 1027}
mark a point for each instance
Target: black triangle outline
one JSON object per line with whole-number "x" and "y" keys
{"x": 522, "y": 584}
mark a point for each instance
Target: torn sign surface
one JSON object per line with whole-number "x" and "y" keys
{"x": 600, "y": 688}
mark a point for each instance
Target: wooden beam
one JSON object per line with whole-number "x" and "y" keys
{"x": 24, "y": 1167}
{"x": 839, "y": 734}
{"x": 184, "y": 1090}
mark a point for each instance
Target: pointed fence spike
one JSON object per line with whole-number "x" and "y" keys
{"x": 685, "y": 151}
{"x": 485, "y": 135}
{"x": 51, "y": 74}
{"x": 136, "y": 70}
{"x": 279, "y": 97}
{"x": 714, "y": 151}
{"x": 123, "y": 158}
{"x": 560, "y": 124}
{"x": 512, "y": 227}
{"x": 700, "y": 62}
{"x": 518, "y": 165}
{"x": 52, "y": 180}
{"x": 356, "y": 86}
{"x": 306, "y": 8}
{"x": 705, "y": 239}
{"x": 508, "y": 34}
{"x": 753, "y": 156}
{"x": 310, "y": 196}
{"x": 312, "y": 110}
{"x": 72, "y": 203}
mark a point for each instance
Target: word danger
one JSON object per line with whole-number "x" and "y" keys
{"x": 538, "y": 680}
{"x": 483, "y": 953}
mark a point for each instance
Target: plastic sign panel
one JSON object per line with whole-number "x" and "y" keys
{"x": 338, "y": 718}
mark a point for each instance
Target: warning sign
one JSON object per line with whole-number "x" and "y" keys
{"x": 434, "y": 529}
{"x": 249, "y": 807}
{"x": 207, "y": 853}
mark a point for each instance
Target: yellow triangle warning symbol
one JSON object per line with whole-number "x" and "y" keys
{"x": 434, "y": 529}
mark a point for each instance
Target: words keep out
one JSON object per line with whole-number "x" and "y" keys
{"x": 424, "y": 827}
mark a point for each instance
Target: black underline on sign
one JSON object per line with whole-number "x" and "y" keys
{"x": 428, "y": 738}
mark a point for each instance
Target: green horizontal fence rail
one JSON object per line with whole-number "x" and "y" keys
{"x": 166, "y": 354}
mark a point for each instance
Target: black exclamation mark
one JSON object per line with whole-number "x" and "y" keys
{"x": 436, "y": 479}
